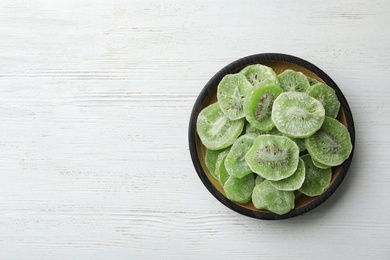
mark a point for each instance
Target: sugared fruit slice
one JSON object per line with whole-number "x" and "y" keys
{"x": 231, "y": 94}
{"x": 331, "y": 145}
{"x": 258, "y": 73}
{"x": 239, "y": 189}
{"x": 258, "y": 106}
{"x": 273, "y": 157}
{"x": 215, "y": 130}
{"x": 291, "y": 80}
{"x": 328, "y": 98}
{"x": 294, "y": 182}
{"x": 320, "y": 165}
{"x": 297, "y": 114}
{"x": 220, "y": 170}
{"x": 211, "y": 160}
{"x": 316, "y": 180}
{"x": 266, "y": 196}
{"x": 235, "y": 161}
{"x": 312, "y": 81}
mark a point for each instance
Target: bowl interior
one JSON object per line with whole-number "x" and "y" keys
{"x": 303, "y": 201}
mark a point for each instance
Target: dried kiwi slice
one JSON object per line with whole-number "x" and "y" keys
{"x": 291, "y": 80}
{"x": 320, "y": 165}
{"x": 258, "y": 73}
{"x": 220, "y": 170}
{"x": 215, "y": 130}
{"x": 331, "y": 145}
{"x": 273, "y": 157}
{"x": 297, "y": 114}
{"x": 266, "y": 196}
{"x": 316, "y": 180}
{"x": 259, "y": 179}
{"x": 274, "y": 131}
{"x": 294, "y": 182}
{"x": 231, "y": 94}
{"x": 327, "y": 96}
{"x": 250, "y": 129}
{"x": 235, "y": 161}
{"x": 258, "y": 106}
{"x": 312, "y": 81}
{"x": 239, "y": 189}
{"x": 211, "y": 160}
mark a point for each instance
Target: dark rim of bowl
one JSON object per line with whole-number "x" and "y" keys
{"x": 213, "y": 82}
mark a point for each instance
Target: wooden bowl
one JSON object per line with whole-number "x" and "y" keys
{"x": 279, "y": 63}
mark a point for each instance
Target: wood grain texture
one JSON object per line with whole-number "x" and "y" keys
{"x": 95, "y": 98}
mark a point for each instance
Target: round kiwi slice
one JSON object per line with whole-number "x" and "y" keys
{"x": 266, "y": 196}
{"x": 210, "y": 160}
{"x": 235, "y": 160}
{"x": 312, "y": 81}
{"x": 331, "y": 145}
{"x": 259, "y": 179}
{"x": 215, "y": 130}
{"x": 320, "y": 165}
{"x": 258, "y": 73}
{"x": 291, "y": 80}
{"x": 316, "y": 179}
{"x": 220, "y": 170}
{"x": 294, "y": 182}
{"x": 231, "y": 94}
{"x": 273, "y": 157}
{"x": 239, "y": 189}
{"x": 297, "y": 114}
{"x": 274, "y": 131}
{"x": 327, "y": 96}
{"x": 258, "y": 106}
{"x": 250, "y": 129}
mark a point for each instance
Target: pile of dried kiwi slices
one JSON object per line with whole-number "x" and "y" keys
{"x": 270, "y": 138}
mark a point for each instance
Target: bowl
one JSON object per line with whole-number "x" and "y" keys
{"x": 278, "y": 62}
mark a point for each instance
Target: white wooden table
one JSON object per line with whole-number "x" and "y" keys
{"x": 95, "y": 99}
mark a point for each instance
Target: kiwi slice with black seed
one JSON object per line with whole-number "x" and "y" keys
{"x": 215, "y": 130}
{"x": 327, "y": 96}
{"x": 258, "y": 106}
{"x": 231, "y": 93}
{"x": 297, "y": 114}
{"x": 316, "y": 179}
{"x": 331, "y": 144}
{"x": 258, "y": 73}
{"x": 273, "y": 157}
{"x": 291, "y": 80}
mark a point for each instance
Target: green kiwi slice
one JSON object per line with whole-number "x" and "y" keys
{"x": 331, "y": 145}
{"x": 291, "y": 80}
{"x": 235, "y": 160}
{"x": 316, "y": 179}
{"x": 266, "y": 196}
{"x": 239, "y": 189}
{"x": 258, "y": 106}
{"x": 328, "y": 98}
{"x": 294, "y": 182}
{"x": 231, "y": 93}
{"x": 297, "y": 114}
{"x": 320, "y": 165}
{"x": 210, "y": 160}
{"x": 273, "y": 157}
{"x": 220, "y": 170}
{"x": 258, "y": 73}
{"x": 259, "y": 179}
{"x": 250, "y": 129}
{"x": 274, "y": 131}
{"x": 312, "y": 81}
{"x": 215, "y": 130}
